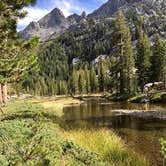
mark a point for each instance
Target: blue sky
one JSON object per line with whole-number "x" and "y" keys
{"x": 68, "y": 7}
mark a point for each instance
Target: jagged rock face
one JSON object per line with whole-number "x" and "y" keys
{"x": 55, "y": 18}
{"x": 112, "y": 6}
{"x": 74, "y": 19}
{"x": 83, "y": 15}
{"x": 153, "y": 11}
{"x": 54, "y": 22}
{"x": 109, "y": 8}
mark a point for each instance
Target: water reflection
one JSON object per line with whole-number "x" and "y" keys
{"x": 140, "y": 134}
{"x": 145, "y": 106}
{"x": 101, "y": 109}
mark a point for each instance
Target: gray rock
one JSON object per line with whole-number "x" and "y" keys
{"x": 54, "y": 22}
{"x": 110, "y": 7}
{"x": 144, "y": 114}
{"x": 74, "y": 19}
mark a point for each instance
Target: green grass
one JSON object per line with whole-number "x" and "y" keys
{"x": 137, "y": 98}
{"x": 158, "y": 97}
{"x": 104, "y": 142}
{"x": 163, "y": 148}
{"x": 118, "y": 97}
{"x": 30, "y": 135}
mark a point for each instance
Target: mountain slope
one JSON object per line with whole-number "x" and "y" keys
{"x": 54, "y": 22}
{"x": 109, "y": 8}
{"x": 112, "y": 6}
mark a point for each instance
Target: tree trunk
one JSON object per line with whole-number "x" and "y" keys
{"x": 165, "y": 82}
{"x": 4, "y": 96}
{"x": 1, "y": 98}
{"x": 122, "y": 81}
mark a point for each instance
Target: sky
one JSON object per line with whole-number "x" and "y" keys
{"x": 68, "y": 7}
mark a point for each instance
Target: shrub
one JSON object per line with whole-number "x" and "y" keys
{"x": 163, "y": 148}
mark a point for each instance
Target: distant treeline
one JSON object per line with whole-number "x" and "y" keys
{"x": 125, "y": 67}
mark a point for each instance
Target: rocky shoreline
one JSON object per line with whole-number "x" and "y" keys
{"x": 143, "y": 114}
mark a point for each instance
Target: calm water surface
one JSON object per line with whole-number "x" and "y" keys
{"x": 141, "y": 134}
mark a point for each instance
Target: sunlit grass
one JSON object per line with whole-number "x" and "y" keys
{"x": 108, "y": 145}
{"x": 136, "y": 98}
{"x": 56, "y": 106}
{"x": 157, "y": 96}
{"x": 44, "y": 104}
{"x": 154, "y": 97}
{"x": 59, "y": 103}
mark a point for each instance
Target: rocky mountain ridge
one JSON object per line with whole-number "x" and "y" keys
{"x": 54, "y": 22}
{"x": 152, "y": 11}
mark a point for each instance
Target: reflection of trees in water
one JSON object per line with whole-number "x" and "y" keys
{"x": 82, "y": 112}
{"x": 144, "y": 142}
{"x": 145, "y": 106}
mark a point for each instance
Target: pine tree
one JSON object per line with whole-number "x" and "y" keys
{"x": 93, "y": 80}
{"x": 63, "y": 90}
{"x": 143, "y": 59}
{"x": 114, "y": 79}
{"x": 163, "y": 64}
{"x": 53, "y": 67}
{"x": 125, "y": 52}
{"x": 16, "y": 58}
{"x": 74, "y": 81}
{"x": 52, "y": 87}
{"x": 82, "y": 82}
{"x": 157, "y": 59}
{"x": 102, "y": 75}
{"x": 87, "y": 78}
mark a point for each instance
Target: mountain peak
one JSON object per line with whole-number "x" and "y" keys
{"x": 57, "y": 12}
{"x": 75, "y": 18}
{"x": 53, "y": 22}
{"x": 83, "y": 15}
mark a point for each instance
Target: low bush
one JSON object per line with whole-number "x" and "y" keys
{"x": 163, "y": 148}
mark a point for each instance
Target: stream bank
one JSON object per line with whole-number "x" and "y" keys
{"x": 141, "y": 129}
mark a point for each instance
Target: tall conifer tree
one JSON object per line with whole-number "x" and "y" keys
{"x": 74, "y": 81}
{"x": 143, "y": 59}
{"x": 158, "y": 59}
{"x": 16, "y": 58}
{"x": 125, "y": 53}
{"x": 93, "y": 79}
{"x": 102, "y": 75}
{"x": 87, "y": 78}
{"x": 163, "y": 64}
{"x": 82, "y": 82}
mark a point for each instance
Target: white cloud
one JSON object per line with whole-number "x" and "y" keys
{"x": 34, "y": 14}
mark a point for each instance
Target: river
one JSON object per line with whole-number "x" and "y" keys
{"x": 142, "y": 134}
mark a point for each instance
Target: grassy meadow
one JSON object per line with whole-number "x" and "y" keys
{"x": 31, "y": 134}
